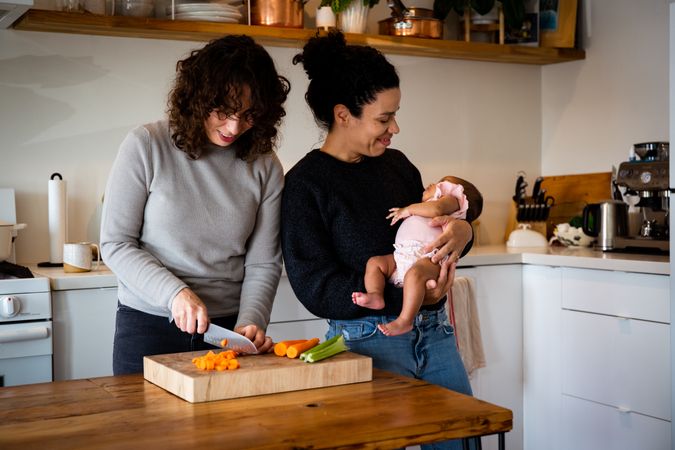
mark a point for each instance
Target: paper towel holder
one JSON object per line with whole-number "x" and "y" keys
{"x": 49, "y": 263}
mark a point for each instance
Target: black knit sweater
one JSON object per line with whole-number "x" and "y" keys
{"x": 334, "y": 218}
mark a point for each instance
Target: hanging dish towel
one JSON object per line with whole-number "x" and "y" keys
{"x": 463, "y": 313}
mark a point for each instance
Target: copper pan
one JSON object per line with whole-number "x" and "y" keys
{"x": 416, "y": 22}
{"x": 278, "y": 13}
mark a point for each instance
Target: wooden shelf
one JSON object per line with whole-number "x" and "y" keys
{"x": 60, "y": 22}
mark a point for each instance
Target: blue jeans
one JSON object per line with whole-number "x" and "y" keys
{"x": 429, "y": 352}
{"x": 138, "y": 334}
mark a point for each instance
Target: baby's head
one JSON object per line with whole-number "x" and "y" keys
{"x": 472, "y": 194}
{"x": 429, "y": 192}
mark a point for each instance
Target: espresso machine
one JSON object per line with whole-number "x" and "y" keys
{"x": 645, "y": 179}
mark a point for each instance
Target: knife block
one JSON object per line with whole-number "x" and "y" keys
{"x": 512, "y": 223}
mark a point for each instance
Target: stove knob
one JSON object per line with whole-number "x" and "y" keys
{"x": 9, "y": 306}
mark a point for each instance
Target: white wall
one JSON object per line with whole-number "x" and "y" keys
{"x": 594, "y": 110}
{"x": 66, "y": 101}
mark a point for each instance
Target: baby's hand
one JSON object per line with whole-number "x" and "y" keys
{"x": 396, "y": 214}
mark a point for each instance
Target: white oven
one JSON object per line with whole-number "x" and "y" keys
{"x": 25, "y": 330}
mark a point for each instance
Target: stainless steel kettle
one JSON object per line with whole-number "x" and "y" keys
{"x": 606, "y": 220}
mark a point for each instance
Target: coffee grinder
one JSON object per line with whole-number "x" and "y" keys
{"x": 645, "y": 179}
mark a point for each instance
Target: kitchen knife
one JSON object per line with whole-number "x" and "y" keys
{"x": 536, "y": 188}
{"x": 214, "y": 335}
{"x": 521, "y": 184}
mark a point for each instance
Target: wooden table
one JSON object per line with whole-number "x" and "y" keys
{"x": 128, "y": 412}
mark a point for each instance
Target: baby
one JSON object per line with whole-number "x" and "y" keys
{"x": 408, "y": 266}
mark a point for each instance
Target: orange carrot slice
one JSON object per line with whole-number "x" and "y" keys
{"x": 295, "y": 349}
{"x": 281, "y": 348}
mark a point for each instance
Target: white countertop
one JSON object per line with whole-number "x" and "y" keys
{"x": 62, "y": 281}
{"x": 583, "y": 258}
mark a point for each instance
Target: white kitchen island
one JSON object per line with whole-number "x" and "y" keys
{"x": 537, "y": 308}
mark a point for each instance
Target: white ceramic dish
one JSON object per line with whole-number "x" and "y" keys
{"x": 207, "y": 14}
{"x": 199, "y": 7}
{"x": 211, "y": 18}
{"x": 525, "y": 237}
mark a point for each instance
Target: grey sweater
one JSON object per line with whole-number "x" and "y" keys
{"x": 210, "y": 224}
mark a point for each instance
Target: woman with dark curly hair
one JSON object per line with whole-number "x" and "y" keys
{"x": 334, "y": 217}
{"x": 190, "y": 222}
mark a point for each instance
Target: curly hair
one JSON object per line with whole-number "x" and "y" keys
{"x": 213, "y": 78}
{"x": 350, "y": 75}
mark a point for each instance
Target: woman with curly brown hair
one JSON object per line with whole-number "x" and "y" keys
{"x": 190, "y": 222}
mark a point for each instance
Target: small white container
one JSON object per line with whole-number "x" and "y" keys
{"x": 325, "y": 18}
{"x": 525, "y": 237}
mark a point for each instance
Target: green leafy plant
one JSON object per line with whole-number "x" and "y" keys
{"x": 340, "y": 5}
{"x": 514, "y": 10}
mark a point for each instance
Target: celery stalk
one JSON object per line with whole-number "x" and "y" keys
{"x": 334, "y": 346}
{"x": 324, "y": 344}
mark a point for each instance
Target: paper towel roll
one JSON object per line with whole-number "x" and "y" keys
{"x": 57, "y": 218}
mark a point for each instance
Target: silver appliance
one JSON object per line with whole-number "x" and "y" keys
{"x": 25, "y": 317}
{"x": 607, "y": 221}
{"x": 647, "y": 186}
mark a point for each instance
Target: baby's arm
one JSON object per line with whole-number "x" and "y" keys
{"x": 443, "y": 206}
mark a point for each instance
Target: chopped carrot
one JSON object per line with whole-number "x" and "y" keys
{"x": 295, "y": 349}
{"x": 223, "y": 343}
{"x": 225, "y": 360}
{"x": 280, "y": 348}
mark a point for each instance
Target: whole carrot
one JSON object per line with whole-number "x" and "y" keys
{"x": 295, "y": 349}
{"x": 280, "y": 348}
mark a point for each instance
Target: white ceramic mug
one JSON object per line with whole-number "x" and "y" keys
{"x": 78, "y": 257}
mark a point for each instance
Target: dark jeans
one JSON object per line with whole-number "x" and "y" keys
{"x": 138, "y": 334}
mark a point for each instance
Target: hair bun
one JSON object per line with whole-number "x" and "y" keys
{"x": 322, "y": 54}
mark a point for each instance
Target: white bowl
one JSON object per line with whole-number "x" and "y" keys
{"x": 571, "y": 236}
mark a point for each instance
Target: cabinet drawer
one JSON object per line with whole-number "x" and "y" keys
{"x": 635, "y": 295}
{"x": 591, "y": 426}
{"x": 620, "y": 362}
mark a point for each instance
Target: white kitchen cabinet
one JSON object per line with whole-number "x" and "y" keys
{"x": 594, "y": 426}
{"x": 542, "y": 288}
{"x": 597, "y": 364}
{"x": 84, "y": 327}
{"x": 499, "y": 297}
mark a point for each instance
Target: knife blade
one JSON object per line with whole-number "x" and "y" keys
{"x": 215, "y": 334}
{"x": 536, "y": 188}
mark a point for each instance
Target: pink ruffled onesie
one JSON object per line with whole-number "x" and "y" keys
{"x": 415, "y": 232}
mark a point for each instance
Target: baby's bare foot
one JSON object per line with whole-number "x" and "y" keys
{"x": 372, "y": 301}
{"x": 395, "y": 328}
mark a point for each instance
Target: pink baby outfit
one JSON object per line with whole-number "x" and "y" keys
{"x": 415, "y": 232}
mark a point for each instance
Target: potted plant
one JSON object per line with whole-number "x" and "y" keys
{"x": 339, "y": 6}
{"x": 514, "y": 10}
{"x": 352, "y": 14}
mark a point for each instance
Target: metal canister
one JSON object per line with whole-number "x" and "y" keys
{"x": 278, "y": 13}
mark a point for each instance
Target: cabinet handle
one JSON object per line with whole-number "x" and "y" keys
{"x": 623, "y": 409}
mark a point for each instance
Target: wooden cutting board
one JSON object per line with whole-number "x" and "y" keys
{"x": 257, "y": 375}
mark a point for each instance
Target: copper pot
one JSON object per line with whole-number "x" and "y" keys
{"x": 416, "y": 22}
{"x": 278, "y": 13}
